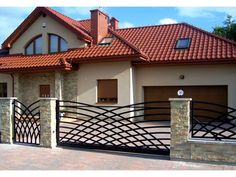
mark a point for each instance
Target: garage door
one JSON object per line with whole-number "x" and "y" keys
{"x": 212, "y": 94}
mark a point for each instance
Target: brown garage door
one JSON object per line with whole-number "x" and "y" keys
{"x": 213, "y": 94}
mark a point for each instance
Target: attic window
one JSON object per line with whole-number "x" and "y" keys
{"x": 106, "y": 41}
{"x": 183, "y": 43}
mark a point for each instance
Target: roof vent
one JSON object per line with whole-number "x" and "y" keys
{"x": 106, "y": 41}
{"x": 183, "y": 43}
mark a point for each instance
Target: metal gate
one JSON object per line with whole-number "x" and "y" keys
{"x": 26, "y": 123}
{"x": 212, "y": 121}
{"x": 141, "y": 127}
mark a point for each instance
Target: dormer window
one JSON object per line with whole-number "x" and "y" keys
{"x": 57, "y": 44}
{"x": 183, "y": 43}
{"x": 34, "y": 46}
{"x": 106, "y": 41}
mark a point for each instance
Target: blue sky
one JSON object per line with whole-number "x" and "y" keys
{"x": 203, "y": 17}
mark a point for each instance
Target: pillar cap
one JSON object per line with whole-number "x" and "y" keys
{"x": 180, "y": 99}
{"x": 8, "y": 98}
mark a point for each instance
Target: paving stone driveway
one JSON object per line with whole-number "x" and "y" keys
{"x": 18, "y": 157}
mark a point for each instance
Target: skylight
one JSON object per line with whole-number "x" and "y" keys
{"x": 183, "y": 43}
{"x": 106, "y": 41}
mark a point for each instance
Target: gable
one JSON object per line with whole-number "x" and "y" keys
{"x": 52, "y": 27}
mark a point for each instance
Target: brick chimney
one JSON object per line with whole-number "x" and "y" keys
{"x": 99, "y": 25}
{"x": 114, "y": 23}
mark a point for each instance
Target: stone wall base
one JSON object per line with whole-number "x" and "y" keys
{"x": 200, "y": 150}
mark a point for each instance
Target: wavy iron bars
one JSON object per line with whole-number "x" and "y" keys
{"x": 26, "y": 123}
{"x": 124, "y": 128}
{"x": 212, "y": 121}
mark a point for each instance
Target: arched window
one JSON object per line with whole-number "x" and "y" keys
{"x": 57, "y": 44}
{"x": 35, "y": 46}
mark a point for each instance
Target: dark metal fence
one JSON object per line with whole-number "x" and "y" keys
{"x": 142, "y": 127}
{"x": 212, "y": 121}
{"x": 26, "y": 123}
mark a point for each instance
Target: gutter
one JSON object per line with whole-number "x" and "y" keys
{"x": 13, "y": 86}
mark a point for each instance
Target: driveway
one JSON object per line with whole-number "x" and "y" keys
{"x": 19, "y": 157}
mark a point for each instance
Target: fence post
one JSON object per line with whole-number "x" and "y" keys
{"x": 7, "y": 119}
{"x": 180, "y": 125}
{"x": 47, "y": 107}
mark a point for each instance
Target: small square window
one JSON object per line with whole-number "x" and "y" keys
{"x": 44, "y": 91}
{"x": 107, "y": 91}
{"x": 183, "y": 43}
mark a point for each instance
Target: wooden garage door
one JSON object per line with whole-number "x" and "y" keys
{"x": 213, "y": 94}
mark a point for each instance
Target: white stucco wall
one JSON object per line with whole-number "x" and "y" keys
{"x": 194, "y": 75}
{"x": 88, "y": 75}
{"x": 37, "y": 29}
{"x": 6, "y": 78}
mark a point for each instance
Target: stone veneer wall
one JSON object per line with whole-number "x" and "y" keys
{"x": 29, "y": 86}
{"x": 183, "y": 147}
{"x": 6, "y": 119}
{"x": 70, "y": 90}
{"x": 47, "y": 107}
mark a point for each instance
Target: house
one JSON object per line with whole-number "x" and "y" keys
{"x": 95, "y": 62}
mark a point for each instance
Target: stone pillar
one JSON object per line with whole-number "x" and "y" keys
{"x": 180, "y": 125}
{"x": 47, "y": 107}
{"x": 6, "y": 119}
{"x": 58, "y": 85}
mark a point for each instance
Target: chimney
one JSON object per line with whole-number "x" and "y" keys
{"x": 114, "y": 23}
{"x": 99, "y": 25}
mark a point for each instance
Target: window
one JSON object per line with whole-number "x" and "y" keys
{"x": 35, "y": 46}
{"x": 44, "y": 91}
{"x": 106, "y": 41}
{"x": 57, "y": 44}
{"x": 107, "y": 91}
{"x": 183, "y": 43}
{"x": 3, "y": 89}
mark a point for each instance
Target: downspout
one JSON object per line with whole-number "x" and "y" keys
{"x": 13, "y": 86}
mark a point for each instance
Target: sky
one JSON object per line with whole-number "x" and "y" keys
{"x": 203, "y": 17}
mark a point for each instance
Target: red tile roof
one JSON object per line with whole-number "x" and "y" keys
{"x": 158, "y": 42}
{"x": 118, "y": 50}
{"x": 152, "y": 44}
{"x": 37, "y": 62}
{"x": 86, "y": 24}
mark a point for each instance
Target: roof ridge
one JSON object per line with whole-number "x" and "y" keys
{"x": 214, "y": 35}
{"x": 83, "y": 20}
{"x": 128, "y": 43}
{"x": 75, "y": 22}
{"x": 149, "y": 26}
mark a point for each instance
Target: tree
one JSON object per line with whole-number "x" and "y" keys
{"x": 228, "y": 30}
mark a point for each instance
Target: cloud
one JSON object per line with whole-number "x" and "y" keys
{"x": 126, "y": 25}
{"x": 209, "y": 12}
{"x": 167, "y": 21}
{"x": 11, "y": 18}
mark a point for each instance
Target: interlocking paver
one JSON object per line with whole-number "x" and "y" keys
{"x": 18, "y": 157}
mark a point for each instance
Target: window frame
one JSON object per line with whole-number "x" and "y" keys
{"x": 58, "y": 43}
{"x": 6, "y": 91}
{"x": 33, "y": 40}
{"x": 43, "y": 85}
{"x": 98, "y": 101}
{"x": 186, "y": 38}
